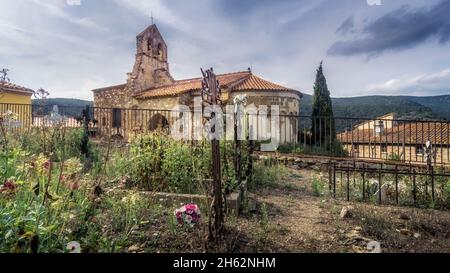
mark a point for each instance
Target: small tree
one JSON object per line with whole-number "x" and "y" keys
{"x": 323, "y": 125}
{"x": 3, "y": 78}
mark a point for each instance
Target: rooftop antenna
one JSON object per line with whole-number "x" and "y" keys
{"x": 151, "y": 16}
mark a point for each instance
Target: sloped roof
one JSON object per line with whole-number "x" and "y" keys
{"x": 409, "y": 133}
{"x": 237, "y": 81}
{"x": 120, "y": 86}
{"x": 8, "y": 86}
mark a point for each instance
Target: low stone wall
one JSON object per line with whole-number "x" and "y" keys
{"x": 174, "y": 199}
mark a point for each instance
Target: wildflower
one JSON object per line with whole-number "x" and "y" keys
{"x": 8, "y": 186}
{"x": 74, "y": 186}
{"x": 46, "y": 165}
{"x": 73, "y": 247}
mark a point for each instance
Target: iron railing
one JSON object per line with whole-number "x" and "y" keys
{"x": 387, "y": 138}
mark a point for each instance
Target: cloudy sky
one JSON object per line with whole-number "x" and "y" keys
{"x": 398, "y": 47}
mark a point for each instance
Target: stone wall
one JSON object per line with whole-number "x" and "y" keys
{"x": 138, "y": 120}
{"x": 113, "y": 97}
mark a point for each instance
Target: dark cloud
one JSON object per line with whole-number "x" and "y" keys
{"x": 348, "y": 26}
{"x": 399, "y": 29}
{"x": 238, "y": 8}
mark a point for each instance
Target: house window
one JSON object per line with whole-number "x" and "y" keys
{"x": 384, "y": 148}
{"x": 356, "y": 148}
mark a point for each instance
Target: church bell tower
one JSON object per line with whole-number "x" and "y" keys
{"x": 151, "y": 68}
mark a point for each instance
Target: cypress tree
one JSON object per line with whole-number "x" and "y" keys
{"x": 323, "y": 125}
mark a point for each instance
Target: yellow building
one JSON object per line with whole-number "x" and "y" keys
{"x": 16, "y": 99}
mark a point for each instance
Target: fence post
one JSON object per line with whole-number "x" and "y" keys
{"x": 380, "y": 185}
{"x": 364, "y": 182}
{"x": 348, "y": 183}
{"x": 334, "y": 180}
{"x": 396, "y": 184}
{"x": 330, "y": 176}
{"x": 414, "y": 188}
{"x": 432, "y": 183}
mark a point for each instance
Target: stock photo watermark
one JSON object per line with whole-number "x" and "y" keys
{"x": 374, "y": 2}
{"x": 73, "y": 2}
{"x": 238, "y": 122}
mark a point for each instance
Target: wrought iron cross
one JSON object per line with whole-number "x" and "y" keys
{"x": 211, "y": 96}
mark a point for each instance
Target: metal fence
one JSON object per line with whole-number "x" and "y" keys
{"x": 381, "y": 138}
{"x": 389, "y": 184}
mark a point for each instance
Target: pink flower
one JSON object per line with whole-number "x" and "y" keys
{"x": 188, "y": 214}
{"x": 74, "y": 186}
{"x": 195, "y": 217}
{"x": 46, "y": 164}
{"x": 9, "y": 185}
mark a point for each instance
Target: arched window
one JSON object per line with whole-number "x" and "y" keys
{"x": 160, "y": 52}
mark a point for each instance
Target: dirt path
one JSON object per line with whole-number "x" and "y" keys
{"x": 289, "y": 218}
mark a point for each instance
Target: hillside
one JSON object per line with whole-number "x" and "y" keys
{"x": 407, "y": 107}
{"x": 65, "y": 102}
{"x": 375, "y": 106}
{"x": 439, "y": 104}
{"x": 68, "y": 107}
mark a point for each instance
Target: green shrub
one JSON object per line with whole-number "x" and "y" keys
{"x": 158, "y": 163}
{"x": 317, "y": 186}
{"x": 69, "y": 144}
{"x": 267, "y": 176}
{"x": 177, "y": 164}
{"x": 336, "y": 150}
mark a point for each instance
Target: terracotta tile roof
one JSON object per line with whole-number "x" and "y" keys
{"x": 256, "y": 83}
{"x": 408, "y": 133}
{"x": 8, "y": 86}
{"x": 120, "y": 86}
{"x": 238, "y": 81}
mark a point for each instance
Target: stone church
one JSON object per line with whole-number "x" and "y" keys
{"x": 150, "y": 86}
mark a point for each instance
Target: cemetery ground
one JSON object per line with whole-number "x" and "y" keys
{"x": 289, "y": 217}
{"x": 62, "y": 193}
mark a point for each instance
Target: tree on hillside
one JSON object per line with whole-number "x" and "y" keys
{"x": 323, "y": 125}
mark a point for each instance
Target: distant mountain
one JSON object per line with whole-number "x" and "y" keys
{"x": 375, "y": 106}
{"x": 407, "y": 107}
{"x": 68, "y": 107}
{"x": 65, "y": 102}
{"x": 439, "y": 104}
